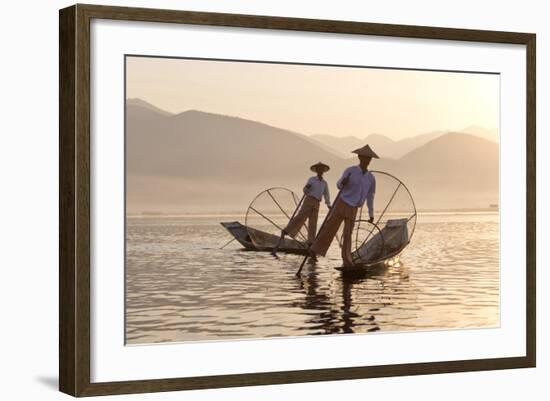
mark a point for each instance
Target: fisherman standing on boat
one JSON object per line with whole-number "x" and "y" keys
{"x": 356, "y": 185}
{"x": 315, "y": 189}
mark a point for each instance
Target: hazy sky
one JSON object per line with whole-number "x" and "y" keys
{"x": 338, "y": 101}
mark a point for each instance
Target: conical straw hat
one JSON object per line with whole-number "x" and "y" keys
{"x": 320, "y": 165}
{"x": 366, "y": 151}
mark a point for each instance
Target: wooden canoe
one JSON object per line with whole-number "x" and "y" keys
{"x": 264, "y": 242}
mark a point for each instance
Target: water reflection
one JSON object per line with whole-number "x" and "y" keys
{"x": 345, "y": 315}
{"x": 179, "y": 291}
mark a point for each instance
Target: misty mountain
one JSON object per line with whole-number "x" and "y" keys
{"x": 142, "y": 103}
{"x": 201, "y": 161}
{"x": 341, "y": 145}
{"x": 196, "y": 144}
{"x": 455, "y": 169}
{"x": 387, "y": 148}
{"x": 453, "y": 153}
{"x": 198, "y": 161}
{"x": 382, "y": 145}
{"x": 489, "y": 134}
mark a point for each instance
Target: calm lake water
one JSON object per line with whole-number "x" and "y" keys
{"x": 181, "y": 287}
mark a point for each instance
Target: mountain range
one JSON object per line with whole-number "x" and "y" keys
{"x": 197, "y": 161}
{"x": 388, "y": 148}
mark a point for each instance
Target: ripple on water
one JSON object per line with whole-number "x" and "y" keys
{"x": 181, "y": 287}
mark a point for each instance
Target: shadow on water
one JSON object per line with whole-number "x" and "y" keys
{"x": 178, "y": 291}
{"x": 339, "y": 314}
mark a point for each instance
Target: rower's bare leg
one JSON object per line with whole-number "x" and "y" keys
{"x": 278, "y": 245}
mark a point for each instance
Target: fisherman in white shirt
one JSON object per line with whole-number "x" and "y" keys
{"x": 315, "y": 189}
{"x": 356, "y": 185}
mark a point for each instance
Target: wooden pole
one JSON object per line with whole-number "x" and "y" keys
{"x": 294, "y": 214}
{"x": 228, "y": 243}
{"x": 321, "y": 228}
{"x": 278, "y": 244}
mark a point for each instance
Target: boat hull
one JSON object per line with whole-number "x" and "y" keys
{"x": 241, "y": 233}
{"x": 369, "y": 268}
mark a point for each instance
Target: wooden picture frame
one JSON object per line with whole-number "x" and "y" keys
{"x": 74, "y": 199}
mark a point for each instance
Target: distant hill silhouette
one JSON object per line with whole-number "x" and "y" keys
{"x": 453, "y": 153}
{"x": 454, "y": 169}
{"x": 342, "y": 145}
{"x": 199, "y": 161}
{"x": 196, "y": 144}
{"x": 489, "y": 134}
{"x": 389, "y": 148}
{"x": 147, "y": 105}
{"x": 385, "y": 147}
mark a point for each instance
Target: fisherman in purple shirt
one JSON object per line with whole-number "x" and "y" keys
{"x": 315, "y": 189}
{"x": 356, "y": 185}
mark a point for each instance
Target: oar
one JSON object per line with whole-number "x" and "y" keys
{"x": 321, "y": 228}
{"x": 296, "y": 211}
{"x": 297, "y": 206}
{"x": 230, "y": 241}
{"x": 282, "y": 210}
{"x": 278, "y": 244}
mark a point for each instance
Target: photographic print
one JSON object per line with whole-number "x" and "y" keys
{"x": 268, "y": 199}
